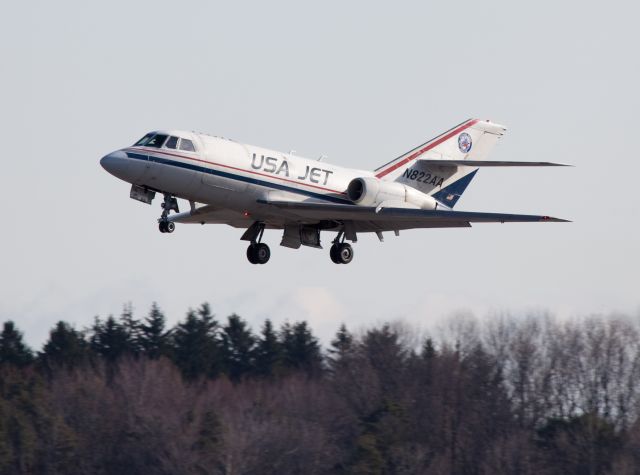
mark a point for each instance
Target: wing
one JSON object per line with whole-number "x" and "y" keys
{"x": 367, "y": 218}
{"x": 488, "y": 163}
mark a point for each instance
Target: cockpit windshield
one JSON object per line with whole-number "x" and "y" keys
{"x": 151, "y": 140}
{"x": 156, "y": 141}
{"x": 143, "y": 140}
{"x": 159, "y": 140}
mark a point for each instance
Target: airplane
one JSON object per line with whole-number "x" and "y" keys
{"x": 253, "y": 188}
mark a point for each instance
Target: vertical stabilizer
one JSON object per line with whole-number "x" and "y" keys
{"x": 470, "y": 140}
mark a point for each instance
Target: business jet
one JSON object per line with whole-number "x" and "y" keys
{"x": 253, "y": 188}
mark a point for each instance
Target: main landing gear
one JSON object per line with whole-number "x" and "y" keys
{"x": 341, "y": 252}
{"x": 169, "y": 204}
{"x": 258, "y": 252}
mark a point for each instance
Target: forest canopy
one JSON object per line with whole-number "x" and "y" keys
{"x": 504, "y": 395}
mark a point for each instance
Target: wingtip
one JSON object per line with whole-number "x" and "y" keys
{"x": 555, "y": 164}
{"x": 551, "y": 219}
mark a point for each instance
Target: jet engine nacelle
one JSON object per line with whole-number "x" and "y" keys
{"x": 371, "y": 191}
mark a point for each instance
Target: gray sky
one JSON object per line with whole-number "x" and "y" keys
{"x": 358, "y": 82}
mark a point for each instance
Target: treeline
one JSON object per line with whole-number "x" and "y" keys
{"x": 510, "y": 395}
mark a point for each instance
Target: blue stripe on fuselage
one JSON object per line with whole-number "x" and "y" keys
{"x": 139, "y": 156}
{"x": 233, "y": 176}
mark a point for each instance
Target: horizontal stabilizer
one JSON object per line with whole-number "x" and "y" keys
{"x": 488, "y": 163}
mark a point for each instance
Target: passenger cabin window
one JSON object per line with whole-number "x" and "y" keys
{"x": 156, "y": 141}
{"x": 172, "y": 142}
{"x": 143, "y": 140}
{"x": 187, "y": 145}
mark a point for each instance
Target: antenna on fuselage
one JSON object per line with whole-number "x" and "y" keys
{"x": 321, "y": 157}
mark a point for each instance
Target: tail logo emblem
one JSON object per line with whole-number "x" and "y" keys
{"x": 464, "y": 142}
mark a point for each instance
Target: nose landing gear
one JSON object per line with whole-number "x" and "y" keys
{"x": 169, "y": 204}
{"x": 166, "y": 226}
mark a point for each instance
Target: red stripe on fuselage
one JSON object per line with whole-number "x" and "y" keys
{"x": 426, "y": 148}
{"x": 155, "y": 150}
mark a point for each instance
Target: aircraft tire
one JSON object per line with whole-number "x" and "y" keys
{"x": 262, "y": 253}
{"x": 162, "y": 227}
{"x": 345, "y": 253}
{"x": 170, "y": 227}
{"x": 251, "y": 254}
{"x": 333, "y": 254}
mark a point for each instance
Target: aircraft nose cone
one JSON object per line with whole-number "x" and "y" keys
{"x": 121, "y": 165}
{"x": 115, "y": 162}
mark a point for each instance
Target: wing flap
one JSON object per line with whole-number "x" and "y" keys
{"x": 395, "y": 225}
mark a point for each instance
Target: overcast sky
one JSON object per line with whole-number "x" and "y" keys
{"x": 358, "y": 82}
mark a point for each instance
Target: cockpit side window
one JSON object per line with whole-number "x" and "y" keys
{"x": 156, "y": 141}
{"x": 187, "y": 145}
{"x": 172, "y": 142}
{"x": 143, "y": 140}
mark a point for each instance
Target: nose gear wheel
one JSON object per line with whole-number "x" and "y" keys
{"x": 169, "y": 204}
{"x": 166, "y": 226}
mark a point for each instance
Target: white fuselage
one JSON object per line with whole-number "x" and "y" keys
{"x": 231, "y": 175}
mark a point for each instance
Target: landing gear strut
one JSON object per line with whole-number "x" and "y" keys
{"x": 341, "y": 252}
{"x": 258, "y": 252}
{"x": 169, "y": 204}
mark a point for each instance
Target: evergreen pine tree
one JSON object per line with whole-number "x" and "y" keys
{"x": 301, "y": 349}
{"x": 196, "y": 349}
{"x": 387, "y": 356}
{"x": 12, "y": 349}
{"x": 287, "y": 344}
{"x": 341, "y": 345}
{"x": 154, "y": 339}
{"x": 132, "y": 327}
{"x": 428, "y": 349}
{"x": 109, "y": 339}
{"x": 268, "y": 351}
{"x": 237, "y": 347}
{"x": 65, "y": 347}
{"x": 427, "y": 361}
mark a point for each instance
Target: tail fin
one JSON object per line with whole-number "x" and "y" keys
{"x": 470, "y": 140}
